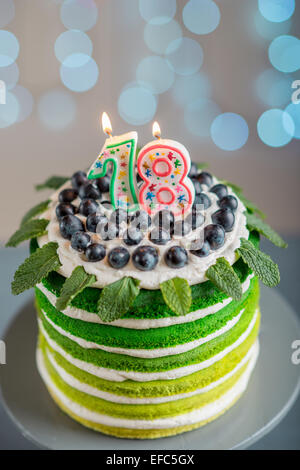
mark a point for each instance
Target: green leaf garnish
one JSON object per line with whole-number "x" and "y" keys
{"x": 233, "y": 186}
{"x": 248, "y": 204}
{"x": 225, "y": 278}
{"x": 54, "y": 182}
{"x": 36, "y": 267}
{"x": 31, "y": 229}
{"x": 116, "y": 299}
{"x": 36, "y": 210}
{"x": 177, "y": 295}
{"x": 263, "y": 266}
{"x": 75, "y": 284}
{"x": 202, "y": 165}
{"x": 254, "y": 223}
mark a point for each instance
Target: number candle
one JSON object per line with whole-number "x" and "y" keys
{"x": 164, "y": 165}
{"x": 120, "y": 151}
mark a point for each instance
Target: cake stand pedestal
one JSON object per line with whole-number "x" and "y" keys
{"x": 272, "y": 390}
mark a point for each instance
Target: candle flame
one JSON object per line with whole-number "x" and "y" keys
{"x": 106, "y": 124}
{"x": 156, "y": 130}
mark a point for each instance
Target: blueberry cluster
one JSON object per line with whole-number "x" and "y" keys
{"x": 139, "y": 226}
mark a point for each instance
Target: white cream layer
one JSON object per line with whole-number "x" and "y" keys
{"x": 202, "y": 414}
{"x": 143, "y": 324}
{"x": 193, "y": 272}
{"x": 120, "y": 376}
{"x": 146, "y": 353}
{"x": 90, "y": 390}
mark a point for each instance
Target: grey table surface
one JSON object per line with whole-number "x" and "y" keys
{"x": 285, "y": 436}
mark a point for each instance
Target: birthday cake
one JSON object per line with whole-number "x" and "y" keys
{"x": 148, "y": 302}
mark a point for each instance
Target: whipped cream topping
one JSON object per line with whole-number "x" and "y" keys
{"x": 193, "y": 272}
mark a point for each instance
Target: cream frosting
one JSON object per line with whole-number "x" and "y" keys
{"x": 141, "y": 323}
{"x": 201, "y": 414}
{"x": 121, "y": 375}
{"x": 193, "y": 272}
{"x": 147, "y": 353}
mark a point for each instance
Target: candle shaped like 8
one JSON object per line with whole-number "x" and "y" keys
{"x": 121, "y": 152}
{"x": 164, "y": 165}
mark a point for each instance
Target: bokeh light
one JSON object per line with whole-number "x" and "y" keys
{"x": 57, "y": 109}
{"x": 157, "y": 11}
{"x": 79, "y": 14}
{"x": 158, "y": 36}
{"x": 293, "y": 111}
{"x": 73, "y": 43}
{"x": 199, "y": 116}
{"x": 275, "y": 128}
{"x": 137, "y": 105}
{"x": 189, "y": 88}
{"x": 276, "y": 10}
{"x": 155, "y": 73}
{"x": 273, "y": 88}
{"x": 229, "y": 131}
{"x": 10, "y": 75}
{"x": 185, "y": 56}
{"x": 7, "y": 12}
{"x": 9, "y": 48}
{"x": 284, "y": 53}
{"x": 9, "y": 111}
{"x": 82, "y": 77}
{"x": 25, "y": 100}
{"x": 201, "y": 16}
{"x": 269, "y": 30}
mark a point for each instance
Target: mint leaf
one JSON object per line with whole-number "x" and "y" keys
{"x": 31, "y": 229}
{"x": 202, "y": 165}
{"x": 36, "y": 267}
{"x": 36, "y": 210}
{"x": 260, "y": 263}
{"x": 254, "y": 223}
{"x": 116, "y": 299}
{"x": 225, "y": 278}
{"x": 248, "y": 204}
{"x": 233, "y": 186}
{"x": 75, "y": 284}
{"x": 54, "y": 182}
{"x": 177, "y": 295}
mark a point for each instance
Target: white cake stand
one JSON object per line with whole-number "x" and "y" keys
{"x": 273, "y": 389}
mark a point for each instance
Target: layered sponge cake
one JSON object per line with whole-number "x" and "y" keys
{"x": 146, "y": 332}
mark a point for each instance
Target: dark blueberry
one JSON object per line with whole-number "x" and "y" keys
{"x": 176, "y": 257}
{"x": 65, "y": 208}
{"x": 228, "y": 202}
{"x": 88, "y": 206}
{"x": 197, "y": 186}
{"x": 201, "y": 200}
{"x": 224, "y": 217}
{"x": 182, "y": 228}
{"x": 139, "y": 179}
{"x": 214, "y": 235}
{"x": 68, "y": 195}
{"x": 94, "y": 222}
{"x": 70, "y": 224}
{"x": 95, "y": 252}
{"x": 80, "y": 241}
{"x": 193, "y": 170}
{"x": 119, "y": 216}
{"x": 78, "y": 179}
{"x": 145, "y": 258}
{"x": 109, "y": 231}
{"x": 205, "y": 178}
{"x": 133, "y": 236}
{"x": 164, "y": 219}
{"x": 103, "y": 184}
{"x": 118, "y": 257}
{"x": 107, "y": 205}
{"x": 159, "y": 236}
{"x": 203, "y": 251}
{"x": 195, "y": 219}
{"x": 220, "y": 190}
{"x": 89, "y": 191}
{"x": 141, "y": 220}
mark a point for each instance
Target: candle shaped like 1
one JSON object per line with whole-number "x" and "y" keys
{"x": 120, "y": 151}
{"x": 164, "y": 165}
